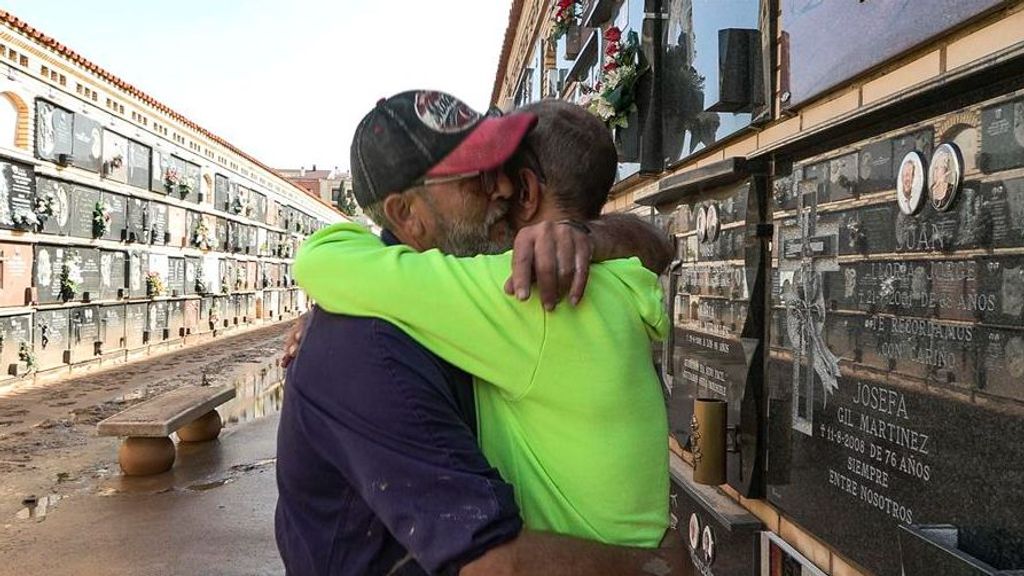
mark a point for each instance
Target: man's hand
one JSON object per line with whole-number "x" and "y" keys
{"x": 292, "y": 341}
{"x": 556, "y": 255}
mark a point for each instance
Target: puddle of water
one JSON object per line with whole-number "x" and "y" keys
{"x": 38, "y": 508}
{"x": 204, "y": 486}
{"x": 258, "y": 393}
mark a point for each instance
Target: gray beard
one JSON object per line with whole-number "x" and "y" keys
{"x": 462, "y": 238}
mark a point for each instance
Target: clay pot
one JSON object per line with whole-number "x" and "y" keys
{"x": 145, "y": 456}
{"x": 206, "y": 427}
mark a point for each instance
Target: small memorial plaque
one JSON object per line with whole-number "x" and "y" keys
{"x": 139, "y": 164}
{"x": 87, "y": 149}
{"x": 112, "y": 327}
{"x": 221, "y": 195}
{"x": 260, "y": 207}
{"x": 222, "y": 235}
{"x": 1002, "y": 208}
{"x": 921, "y": 141}
{"x": 54, "y": 131}
{"x": 842, "y": 177}
{"x": 175, "y": 276}
{"x": 193, "y": 270}
{"x": 50, "y": 336}
{"x": 15, "y": 275}
{"x": 115, "y": 157}
{"x": 117, "y": 216}
{"x": 60, "y": 192}
{"x": 17, "y": 195}
{"x": 157, "y": 223}
{"x": 138, "y": 220}
{"x": 157, "y": 319}
{"x": 14, "y": 330}
{"x": 1002, "y": 284}
{"x": 113, "y": 274}
{"x": 161, "y": 163}
{"x": 1002, "y": 136}
{"x": 83, "y": 205}
{"x": 1002, "y": 360}
{"x": 136, "y": 325}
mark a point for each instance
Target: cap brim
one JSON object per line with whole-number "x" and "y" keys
{"x": 489, "y": 146}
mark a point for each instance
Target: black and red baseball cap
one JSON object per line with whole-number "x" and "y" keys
{"x": 423, "y": 133}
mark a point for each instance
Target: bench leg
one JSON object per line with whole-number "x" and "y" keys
{"x": 143, "y": 456}
{"x": 206, "y": 427}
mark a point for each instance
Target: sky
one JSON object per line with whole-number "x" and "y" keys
{"x": 285, "y": 81}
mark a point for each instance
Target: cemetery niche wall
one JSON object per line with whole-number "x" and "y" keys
{"x": 896, "y": 365}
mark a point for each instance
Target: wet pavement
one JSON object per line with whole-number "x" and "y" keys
{"x": 66, "y": 509}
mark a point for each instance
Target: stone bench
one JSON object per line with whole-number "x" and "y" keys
{"x": 147, "y": 427}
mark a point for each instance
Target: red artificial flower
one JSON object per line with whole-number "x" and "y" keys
{"x": 611, "y": 66}
{"x": 613, "y": 34}
{"x": 611, "y": 49}
{"x": 565, "y": 4}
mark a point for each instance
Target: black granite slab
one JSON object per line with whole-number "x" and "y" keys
{"x": 137, "y": 270}
{"x": 176, "y": 276}
{"x": 54, "y": 130}
{"x": 193, "y": 270}
{"x": 842, "y": 177}
{"x": 136, "y": 325}
{"x": 112, "y": 327}
{"x": 157, "y": 319}
{"x": 139, "y": 164}
{"x": 47, "y": 262}
{"x": 1002, "y": 136}
{"x": 61, "y": 192}
{"x": 117, "y": 211}
{"x": 87, "y": 149}
{"x": 90, "y": 264}
{"x": 83, "y": 203}
{"x": 17, "y": 191}
{"x": 221, "y": 195}
{"x": 161, "y": 161}
{"x": 176, "y": 318}
{"x": 157, "y": 223}
{"x": 85, "y": 332}
{"x": 14, "y": 330}
{"x": 876, "y": 167}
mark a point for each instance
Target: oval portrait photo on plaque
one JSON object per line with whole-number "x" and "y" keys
{"x": 702, "y": 224}
{"x": 946, "y": 176}
{"x": 910, "y": 183}
{"x": 694, "y": 532}
{"x": 714, "y": 225}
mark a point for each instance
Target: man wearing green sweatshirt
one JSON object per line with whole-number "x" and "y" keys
{"x": 568, "y": 403}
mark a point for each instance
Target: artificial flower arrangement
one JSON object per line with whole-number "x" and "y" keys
{"x": 614, "y": 98}
{"x": 240, "y": 279}
{"x": 100, "y": 219}
{"x": 171, "y": 179}
{"x": 35, "y": 218}
{"x": 564, "y": 15}
{"x": 154, "y": 284}
{"x": 70, "y": 277}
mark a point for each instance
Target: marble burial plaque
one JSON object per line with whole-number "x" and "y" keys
{"x": 15, "y": 274}
{"x": 48, "y": 263}
{"x": 192, "y": 220}
{"x": 1002, "y": 281}
{"x": 117, "y": 213}
{"x": 177, "y": 226}
{"x": 176, "y": 318}
{"x": 157, "y": 223}
{"x": 1002, "y": 362}
{"x": 211, "y": 274}
{"x": 115, "y": 157}
{"x": 138, "y": 220}
{"x": 85, "y": 332}
{"x": 136, "y": 323}
{"x": 192, "y": 315}
{"x": 922, "y": 141}
{"x": 161, "y": 162}
{"x": 868, "y": 229}
{"x": 89, "y": 262}
{"x": 842, "y": 177}
{"x": 157, "y": 322}
{"x": 193, "y": 269}
{"x": 178, "y": 165}
{"x": 113, "y": 274}
{"x": 83, "y": 203}
{"x": 1001, "y": 212}
{"x": 221, "y": 195}
{"x": 193, "y": 176}
{"x": 260, "y": 207}
{"x": 222, "y": 235}
{"x": 61, "y": 195}
{"x": 175, "y": 276}
{"x": 87, "y": 149}
{"x": 227, "y": 275}
{"x": 17, "y": 193}
{"x": 254, "y": 240}
{"x": 251, "y": 275}
{"x": 139, "y": 164}
{"x": 137, "y": 269}
{"x": 876, "y": 168}
{"x": 54, "y": 131}
{"x": 50, "y": 337}
{"x": 112, "y": 327}
{"x": 13, "y": 331}
{"x": 1002, "y": 136}
{"x": 273, "y": 213}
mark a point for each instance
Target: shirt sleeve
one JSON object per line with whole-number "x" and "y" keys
{"x": 402, "y": 444}
{"x": 455, "y": 307}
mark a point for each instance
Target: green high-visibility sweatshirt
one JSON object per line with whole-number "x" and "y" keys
{"x": 569, "y": 405}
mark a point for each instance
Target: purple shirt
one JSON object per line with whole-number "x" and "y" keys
{"x": 378, "y": 466}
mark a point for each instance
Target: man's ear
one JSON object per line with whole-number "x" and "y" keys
{"x": 404, "y": 221}
{"x": 529, "y": 195}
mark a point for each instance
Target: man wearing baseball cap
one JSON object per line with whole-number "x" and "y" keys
{"x": 377, "y": 456}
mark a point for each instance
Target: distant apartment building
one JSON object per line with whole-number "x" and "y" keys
{"x": 332, "y": 186}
